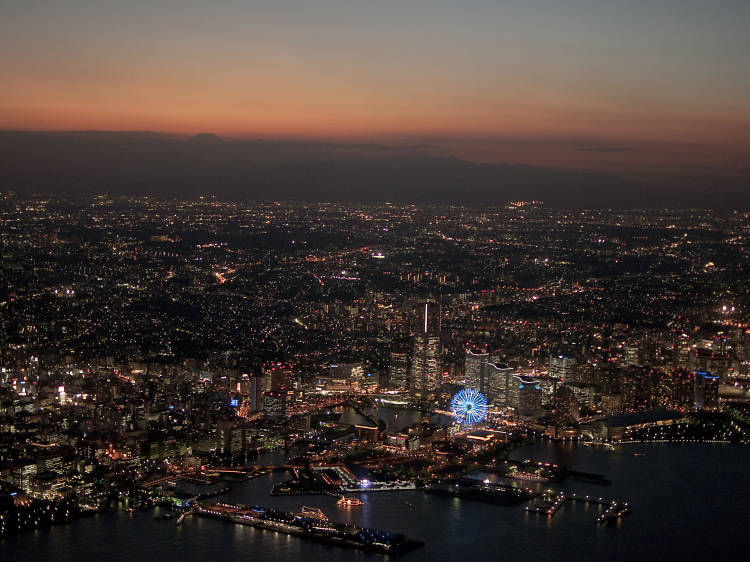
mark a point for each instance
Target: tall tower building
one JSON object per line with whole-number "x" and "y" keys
{"x": 497, "y": 376}
{"x": 638, "y": 389}
{"x": 425, "y": 363}
{"x": 398, "y": 370}
{"x": 475, "y": 365}
{"x": 491, "y": 379}
{"x": 428, "y": 319}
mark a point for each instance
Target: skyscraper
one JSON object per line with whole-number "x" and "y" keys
{"x": 428, "y": 318}
{"x": 497, "y": 376}
{"x": 474, "y": 369}
{"x": 425, "y": 364}
{"x": 398, "y": 370}
{"x": 491, "y": 379}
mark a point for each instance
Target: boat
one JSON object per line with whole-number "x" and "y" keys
{"x": 531, "y": 477}
{"x": 639, "y": 454}
{"x": 349, "y": 501}
{"x": 312, "y": 513}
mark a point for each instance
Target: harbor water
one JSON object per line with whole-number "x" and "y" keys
{"x": 690, "y": 501}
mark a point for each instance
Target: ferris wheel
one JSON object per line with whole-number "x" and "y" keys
{"x": 469, "y": 406}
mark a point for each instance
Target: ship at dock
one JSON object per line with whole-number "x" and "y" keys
{"x": 311, "y": 527}
{"x": 368, "y": 486}
{"x": 312, "y": 513}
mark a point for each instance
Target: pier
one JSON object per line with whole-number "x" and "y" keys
{"x": 184, "y": 514}
{"x": 551, "y": 502}
{"x": 481, "y": 491}
{"x": 315, "y": 528}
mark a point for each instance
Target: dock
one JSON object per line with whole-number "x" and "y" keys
{"x": 551, "y": 502}
{"x": 470, "y": 489}
{"x": 314, "y": 528}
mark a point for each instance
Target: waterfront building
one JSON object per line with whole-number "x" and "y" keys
{"x": 491, "y": 379}
{"x": 683, "y": 390}
{"x": 706, "y": 391}
{"x": 367, "y": 432}
{"x": 496, "y": 378}
{"x": 529, "y": 397}
{"x": 474, "y": 369}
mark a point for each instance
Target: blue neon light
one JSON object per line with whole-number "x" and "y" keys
{"x": 469, "y": 406}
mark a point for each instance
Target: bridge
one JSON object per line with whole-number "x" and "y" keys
{"x": 210, "y": 475}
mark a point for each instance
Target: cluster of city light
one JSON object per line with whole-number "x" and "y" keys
{"x": 469, "y": 406}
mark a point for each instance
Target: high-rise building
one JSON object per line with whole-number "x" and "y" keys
{"x": 515, "y": 387}
{"x": 683, "y": 390}
{"x": 706, "y": 391}
{"x": 562, "y": 367}
{"x": 398, "y": 370}
{"x": 566, "y": 406}
{"x": 231, "y": 438}
{"x": 426, "y": 367}
{"x": 475, "y": 365}
{"x": 707, "y": 360}
{"x": 425, "y": 362}
{"x": 496, "y": 379}
{"x": 637, "y": 388}
{"x": 491, "y": 379}
{"x": 250, "y": 387}
{"x": 428, "y": 319}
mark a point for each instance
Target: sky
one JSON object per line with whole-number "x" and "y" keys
{"x": 594, "y": 83}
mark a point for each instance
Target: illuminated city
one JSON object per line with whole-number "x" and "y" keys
{"x": 365, "y": 281}
{"x": 159, "y": 354}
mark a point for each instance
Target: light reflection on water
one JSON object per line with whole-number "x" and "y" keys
{"x": 666, "y": 522}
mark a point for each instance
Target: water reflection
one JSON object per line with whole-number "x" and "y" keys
{"x": 666, "y": 523}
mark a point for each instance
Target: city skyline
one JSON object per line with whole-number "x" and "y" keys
{"x": 331, "y": 372}
{"x": 335, "y": 280}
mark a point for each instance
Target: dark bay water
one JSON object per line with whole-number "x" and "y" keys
{"x": 690, "y": 502}
{"x": 396, "y": 419}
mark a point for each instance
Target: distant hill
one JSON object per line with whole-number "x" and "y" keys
{"x": 162, "y": 165}
{"x": 206, "y": 138}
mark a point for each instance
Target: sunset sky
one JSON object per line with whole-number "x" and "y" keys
{"x": 593, "y": 83}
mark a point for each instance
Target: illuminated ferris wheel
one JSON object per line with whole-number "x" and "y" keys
{"x": 469, "y": 406}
